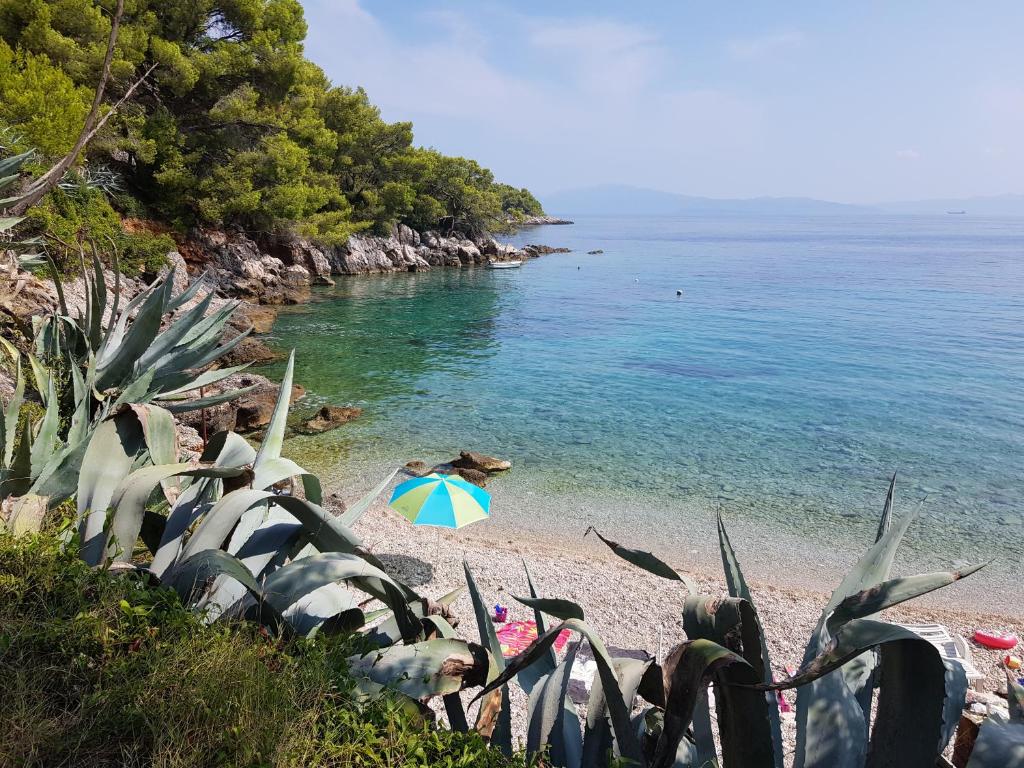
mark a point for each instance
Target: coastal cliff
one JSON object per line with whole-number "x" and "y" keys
{"x": 281, "y": 271}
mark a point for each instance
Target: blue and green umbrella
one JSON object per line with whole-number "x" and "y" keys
{"x": 446, "y": 501}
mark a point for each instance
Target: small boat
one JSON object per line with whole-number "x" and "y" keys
{"x": 504, "y": 264}
{"x": 956, "y": 213}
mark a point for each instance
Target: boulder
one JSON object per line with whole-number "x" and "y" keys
{"x": 594, "y": 253}
{"x": 259, "y": 318}
{"x": 296, "y": 275}
{"x": 474, "y": 476}
{"x": 330, "y": 417}
{"x": 481, "y": 462}
{"x": 255, "y": 409}
{"x": 249, "y": 412}
{"x": 417, "y": 468}
{"x": 250, "y": 350}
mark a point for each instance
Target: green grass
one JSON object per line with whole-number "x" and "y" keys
{"x": 102, "y": 670}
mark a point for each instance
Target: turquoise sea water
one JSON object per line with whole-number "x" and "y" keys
{"x": 807, "y": 359}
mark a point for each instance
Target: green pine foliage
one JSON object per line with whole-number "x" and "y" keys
{"x": 234, "y": 127}
{"x": 107, "y": 670}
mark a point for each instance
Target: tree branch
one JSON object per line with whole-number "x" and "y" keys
{"x": 93, "y": 123}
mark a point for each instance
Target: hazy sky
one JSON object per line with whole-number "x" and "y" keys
{"x": 857, "y": 102}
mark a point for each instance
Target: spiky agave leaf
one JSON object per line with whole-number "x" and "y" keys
{"x": 646, "y": 561}
{"x": 552, "y": 721}
{"x": 436, "y": 667}
{"x": 757, "y": 656}
{"x": 745, "y": 722}
{"x": 501, "y": 734}
{"x": 832, "y": 722}
{"x": 688, "y": 670}
{"x": 920, "y": 698}
{"x": 625, "y": 738}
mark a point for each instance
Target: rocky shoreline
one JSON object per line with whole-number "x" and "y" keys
{"x": 281, "y": 271}
{"x": 261, "y": 275}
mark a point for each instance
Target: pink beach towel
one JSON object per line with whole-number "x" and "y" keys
{"x": 516, "y": 636}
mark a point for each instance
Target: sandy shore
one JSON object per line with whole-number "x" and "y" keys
{"x": 628, "y": 607}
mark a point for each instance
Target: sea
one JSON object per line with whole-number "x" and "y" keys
{"x": 778, "y": 370}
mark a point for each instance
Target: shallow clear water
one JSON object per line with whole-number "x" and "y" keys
{"x": 807, "y": 359}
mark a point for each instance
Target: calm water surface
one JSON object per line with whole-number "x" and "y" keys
{"x": 805, "y": 362}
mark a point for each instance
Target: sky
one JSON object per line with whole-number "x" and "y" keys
{"x": 854, "y": 102}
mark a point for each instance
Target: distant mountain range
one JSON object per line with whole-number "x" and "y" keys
{"x": 615, "y": 199}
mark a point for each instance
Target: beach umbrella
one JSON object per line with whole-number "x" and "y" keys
{"x": 446, "y": 501}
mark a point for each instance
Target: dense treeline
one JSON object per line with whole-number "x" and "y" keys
{"x": 234, "y": 126}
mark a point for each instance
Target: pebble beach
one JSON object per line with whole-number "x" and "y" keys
{"x": 628, "y": 607}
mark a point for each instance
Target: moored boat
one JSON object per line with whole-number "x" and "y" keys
{"x": 504, "y": 264}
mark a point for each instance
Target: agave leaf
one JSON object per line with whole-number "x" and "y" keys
{"x": 217, "y": 523}
{"x": 688, "y": 669}
{"x": 746, "y": 725}
{"x": 599, "y": 734}
{"x": 273, "y": 439}
{"x": 885, "y": 522}
{"x": 224, "y": 449}
{"x": 18, "y": 477}
{"x": 119, "y": 354}
{"x": 11, "y": 412}
{"x": 351, "y": 515}
{"x": 920, "y": 700}
{"x": 183, "y": 406}
{"x": 176, "y": 332}
{"x": 646, "y": 561}
{"x": 502, "y": 732}
{"x": 323, "y": 530}
{"x": 893, "y": 592}
{"x": 1000, "y": 744}
{"x": 46, "y": 440}
{"x": 758, "y": 657}
{"x": 557, "y": 607}
{"x": 41, "y": 376}
{"x": 190, "y": 577}
{"x": 228, "y": 449}
{"x": 27, "y": 515}
{"x": 160, "y": 432}
{"x": 129, "y": 500}
{"x": 205, "y": 380}
{"x": 432, "y": 668}
{"x": 530, "y": 676}
{"x": 622, "y": 728}
{"x": 301, "y": 577}
{"x": 832, "y": 725}
{"x": 273, "y": 471}
{"x": 548, "y": 723}
{"x": 106, "y": 463}
{"x": 388, "y": 632}
{"x": 12, "y": 164}
{"x": 310, "y": 611}
{"x": 189, "y": 293}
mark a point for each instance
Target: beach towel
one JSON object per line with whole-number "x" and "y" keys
{"x": 516, "y": 636}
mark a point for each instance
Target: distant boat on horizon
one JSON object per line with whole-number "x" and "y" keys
{"x": 956, "y": 213}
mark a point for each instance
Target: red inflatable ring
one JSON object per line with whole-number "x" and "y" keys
{"x": 1004, "y": 641}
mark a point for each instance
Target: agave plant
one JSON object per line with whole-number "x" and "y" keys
{"x": 658, "y": 715}
{"x": 140, "y": 355}
{"x": 25, "y": 250}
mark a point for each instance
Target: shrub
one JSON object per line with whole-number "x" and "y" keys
{"x": 104, "y": 669}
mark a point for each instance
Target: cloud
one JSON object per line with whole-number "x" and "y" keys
{"x": 603, "y": 54}
{"x": 594, "y": 101}
{"x": 908, "y": 154}
{"x": 753, "y": 48}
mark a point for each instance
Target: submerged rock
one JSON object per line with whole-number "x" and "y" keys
{"x": 481, "y": 462}
{"x": 474, "y": 476}
{"x": 330, "y": 417}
